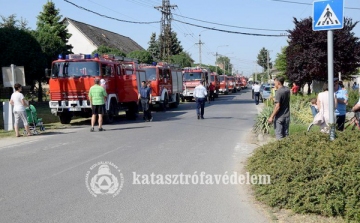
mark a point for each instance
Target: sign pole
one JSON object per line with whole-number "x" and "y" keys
{"x": 330, "y": 49}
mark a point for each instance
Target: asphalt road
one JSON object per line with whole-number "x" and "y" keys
{"x": 43, "y": 178}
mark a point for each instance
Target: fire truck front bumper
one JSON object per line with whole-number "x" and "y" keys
{"x": 73, "y": 106}
{"x": 155, "y": 99}
{"x": 188, "y": 93}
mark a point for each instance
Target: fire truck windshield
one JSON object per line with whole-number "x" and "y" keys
{"x": 75, "y": 69}
{"x": 150, "y": 74}
{"x": 222, "y": 78}
{"x": 212, "y": 78}
{"x": 192, "y": 76}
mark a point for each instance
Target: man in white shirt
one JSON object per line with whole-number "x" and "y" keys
{"x": 256, "y": 89}
{"x": 200, "y": 94}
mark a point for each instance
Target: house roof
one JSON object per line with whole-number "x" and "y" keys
{"x": 104, "y": 37}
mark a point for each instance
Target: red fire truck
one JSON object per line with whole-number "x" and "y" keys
{"x": 243, "y": 82}
{"x": 232, "y": 84}
{"x": 238, "y": 83}
{"x": 166, "y": 83}
{"x": 71, "y": 78}
{"x": 214, "y": 79}
{"x": 191, "y": 78}
{"x": 224, "y": 88}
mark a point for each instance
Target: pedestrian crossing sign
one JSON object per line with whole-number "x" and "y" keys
{"x": 328, "y": 15}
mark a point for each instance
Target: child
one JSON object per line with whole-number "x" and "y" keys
{"x": 103, "y": 83}
{"x": 314, "y": 107}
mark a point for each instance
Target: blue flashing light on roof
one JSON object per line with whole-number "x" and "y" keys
{"x": 154, "y": 63}
{"x": 67, "y": 57}
{"x": 96, "y": 55}
{"x": 87, "y": 56}
{"x": 60, "y": 56}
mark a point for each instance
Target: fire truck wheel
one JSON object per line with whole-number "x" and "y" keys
{"x": 165, "y": 103}
{"x": 65, "y": 118}
{"x": 177, "y": 101}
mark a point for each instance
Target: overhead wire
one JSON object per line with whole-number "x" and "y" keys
{"x": 303, "y": 3}
{"x": 105, "y": 16}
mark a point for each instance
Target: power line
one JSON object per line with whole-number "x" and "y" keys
{"x": 227, "y": 31}
{"x": 105, "y": 16}
{"x": 241, "y": 27}
{"x": 303, "y": 3}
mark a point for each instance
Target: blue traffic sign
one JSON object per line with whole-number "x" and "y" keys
{"x": 328, "y": 15}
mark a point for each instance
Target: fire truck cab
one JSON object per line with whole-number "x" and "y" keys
{"x": 232, "y": 84}
{"x": 214, "y": 79}
{"x": 224, "y": 84}
{"x": 72, "y": 77}
{"x": 191, "y": 78}
{"x": 165, "y": 82}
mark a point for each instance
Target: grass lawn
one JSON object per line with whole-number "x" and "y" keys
{"x": 50, "y": 121}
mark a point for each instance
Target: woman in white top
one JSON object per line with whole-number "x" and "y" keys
{"x": 323, "y": 106}
{"x": 19, "y": 103}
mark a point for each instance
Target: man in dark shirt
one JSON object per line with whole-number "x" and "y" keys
{"x": 281, "y": 112}
{"x": 145, "y": 99}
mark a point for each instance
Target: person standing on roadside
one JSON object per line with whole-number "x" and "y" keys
{"x": 212, "y": 90}
{"x": 342, "y": 101}
{"x": 281, "y": 113}
{"x": 18, "y": 101}
{"x": 145, "y": 99}
{"x": 200, "y": 94}
{"x": 97, "y": 96}
{"x": 256, "y": 89}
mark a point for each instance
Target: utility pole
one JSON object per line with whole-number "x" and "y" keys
{"x": 216, "y": 54}
{"x": 165, "y": 31}
{"x": 200, "y": 43}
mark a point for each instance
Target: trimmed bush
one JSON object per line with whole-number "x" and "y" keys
{"x": 310, "y": 174}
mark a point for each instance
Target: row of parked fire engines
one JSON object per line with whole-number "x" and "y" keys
{"x": 71, "y": 78}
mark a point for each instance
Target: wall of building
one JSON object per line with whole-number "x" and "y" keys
{"x": 80, "y": 43}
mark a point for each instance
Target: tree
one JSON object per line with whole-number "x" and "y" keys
{"x": 176, "y": 47}
{"x": 225, "y": 64}
{"x": 262, "y": 59}
{"x": 142, "y": 56}
{"x": 154, "y": 48}
{"x": 306, "y": 55}
{"x": 12, "y": 22}
{"x": 280, "y": 61}
{"x": 51, "y": 33}
{"x": 108, "y": 50}
{"x": 21, "y": 48}
{"x": 183, "y": 59}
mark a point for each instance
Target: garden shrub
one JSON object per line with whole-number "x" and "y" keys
{"x": 310, "y": 174}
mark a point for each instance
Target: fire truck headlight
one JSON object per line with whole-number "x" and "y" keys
{"x": 53, "y": 103}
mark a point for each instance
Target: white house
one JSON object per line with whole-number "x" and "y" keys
{"x": 86, "y": 38}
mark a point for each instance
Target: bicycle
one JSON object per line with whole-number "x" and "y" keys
{"x": 353, "y": 121}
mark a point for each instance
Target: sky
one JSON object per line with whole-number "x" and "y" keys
{"x": 254, "y": 16}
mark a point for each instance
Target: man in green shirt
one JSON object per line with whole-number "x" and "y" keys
{"x": 97, "y": 96}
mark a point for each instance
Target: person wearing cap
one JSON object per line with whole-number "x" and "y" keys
{"x": 200, "y": 94}
{"x": 342, "y": 100}
{"x": 97, "y": 95}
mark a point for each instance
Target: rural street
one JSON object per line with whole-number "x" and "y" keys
{"x": 43, "y": 177}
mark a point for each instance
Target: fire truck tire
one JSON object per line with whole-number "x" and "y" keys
{"x": 65, "y": 118}
{"x": 165, "y": 103}
{"x": 109, "y": 116}
{"x": 132, "y": 111}
{"x": 176, "y": 103}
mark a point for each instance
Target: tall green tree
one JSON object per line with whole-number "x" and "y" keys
{"x": 176, "y": 47}
{"x": 280, "y": 61}
{"x": 108, "y": 50}
{"x": 142, "y": 56}
{"x": 224, "y": 63}
{"x": 262, "y": 59}
{"x": 154, "y": 48}
{"x": 306, "y": 55}
{"x": 51, "y": 33}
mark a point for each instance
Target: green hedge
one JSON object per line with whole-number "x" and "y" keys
{"x": 309, "y": 174}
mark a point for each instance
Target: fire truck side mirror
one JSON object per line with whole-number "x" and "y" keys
{"x": 47, "y": 73}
